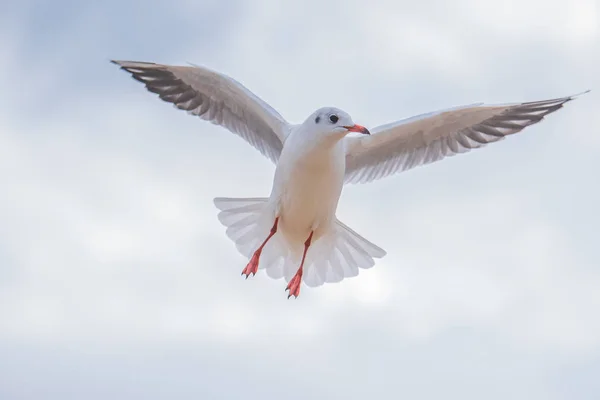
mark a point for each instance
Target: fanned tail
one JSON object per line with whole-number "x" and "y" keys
{"x": 245, "y": 220}
{"x": 339, "y": 254}
{"x": 336, "y": 255}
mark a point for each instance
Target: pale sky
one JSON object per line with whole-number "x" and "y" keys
{"x": 117, "y": 281}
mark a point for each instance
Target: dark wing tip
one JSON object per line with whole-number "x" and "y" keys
{"x": 574, "y": 96}
{"x": 580, "y": 94}
{"x": 160, "y": 80}
{"x": 120, "y": 63}
{"x": 134, "y": 64}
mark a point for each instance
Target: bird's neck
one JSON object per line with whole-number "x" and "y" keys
{"x": 316, "y": 143}
{"x": 312, "y": 149}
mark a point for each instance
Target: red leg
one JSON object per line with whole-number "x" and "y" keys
{"x": 252, "y": 267}
{"x": 294, "y": 285}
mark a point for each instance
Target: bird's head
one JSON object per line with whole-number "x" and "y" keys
{"x": 333, "y": 122}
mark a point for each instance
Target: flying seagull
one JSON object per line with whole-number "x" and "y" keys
{"x": 294, "y": 233}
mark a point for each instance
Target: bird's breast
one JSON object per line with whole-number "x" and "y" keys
{"x": 309, "y": 190}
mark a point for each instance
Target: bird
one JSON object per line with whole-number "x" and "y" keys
{"x": 294, "y": 233}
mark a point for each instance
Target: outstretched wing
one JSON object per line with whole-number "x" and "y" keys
{"x": 216, "y": 98}
{"x": 426, "y": 138}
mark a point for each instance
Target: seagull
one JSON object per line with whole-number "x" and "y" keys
{"x": 294, "y": 233}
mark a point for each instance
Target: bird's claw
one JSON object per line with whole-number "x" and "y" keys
{"x": 294, "y": 286}
{"x": 252, "y": 266}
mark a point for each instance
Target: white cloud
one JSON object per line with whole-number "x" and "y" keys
{"x": 567, "y": 23}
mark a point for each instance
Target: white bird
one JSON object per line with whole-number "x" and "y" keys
{"x": 314, "y": 160}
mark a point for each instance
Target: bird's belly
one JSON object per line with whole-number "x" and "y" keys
{"x": 308, "y": 203}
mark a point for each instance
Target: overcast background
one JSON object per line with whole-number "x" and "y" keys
{"x": 118, "y": 282}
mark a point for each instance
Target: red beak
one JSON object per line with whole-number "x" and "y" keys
{"x": 358, "y": 128}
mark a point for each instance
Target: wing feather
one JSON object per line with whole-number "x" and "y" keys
{"x": 426, "y": 138}
{"x": 216, "y": 98}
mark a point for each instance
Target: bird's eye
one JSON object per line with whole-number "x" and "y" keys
{"x": 333, "y": 118}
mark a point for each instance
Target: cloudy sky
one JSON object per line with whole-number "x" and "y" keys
{"x": 117, "y": 280}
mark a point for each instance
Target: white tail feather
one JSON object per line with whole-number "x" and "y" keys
{"x": 338, "y": 254}
{"x": 247, "y": 221}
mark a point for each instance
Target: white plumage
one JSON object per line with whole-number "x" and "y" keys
{"x": 313, "y": 162}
